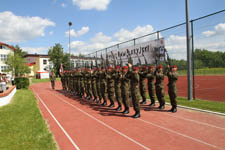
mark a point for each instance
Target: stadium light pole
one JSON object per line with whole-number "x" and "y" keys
{"x": 70, "y": 24}
{"x": 189, "y": 52}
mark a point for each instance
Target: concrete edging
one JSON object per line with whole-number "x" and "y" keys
{"x": 4, "y": 100}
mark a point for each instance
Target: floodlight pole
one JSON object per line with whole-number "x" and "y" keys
{"x": 70, "y": 24}
{"x": 189, "y": 53}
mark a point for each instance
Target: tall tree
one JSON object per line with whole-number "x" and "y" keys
{"x": 19, "y": 51}
{"x": 57, "y": 57}
{"x": 17, "y": 65}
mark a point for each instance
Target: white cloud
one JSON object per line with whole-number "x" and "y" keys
{"x": 101, "y": 41}
{"x": 21, "y": 28}
{"x": 51, "y": 33}
{"x": 37, "y": 50}
{"x": 124, "y": 35}
{"x": 80, "y": 32}
{"x": 218, "y": 30}
{"x": 92, "y": 4}
{"x": 101, "y": 38}
{"x": 63, "y": 5}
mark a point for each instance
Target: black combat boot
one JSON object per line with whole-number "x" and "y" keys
{"x": 111, "y": 105}
{"x": 161, "y": 107}
{"x": 118, "y": 108}
{"x": 104, "y": 103}
{"x": 136, "y": 115}
{"x": 152, "y": 104}
{"x": 173, "y": 109}
{"x": 126, "y": 111}
{"x": 143, "y": 101}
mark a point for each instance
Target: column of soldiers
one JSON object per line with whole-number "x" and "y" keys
{"x": 119, "y": 83}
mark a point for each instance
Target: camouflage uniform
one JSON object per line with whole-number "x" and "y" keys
{"x": 103, "y": 87}
{"x": 125, "y": 91}
{"x": 117, "y": 86}
{"x": 159, "y": 87}
{"x": 98, "y": 85}
{"x": 52, "y": 79}
{"x": 142, "y": 85}
{"x": 134, "y": 77}
{"x": 151, "y": 87}
{"x": 110, "y": 88}
{"x": 89, "y": 91}
{"x": 172, "y": 90}
{"x": 93, "y": 85}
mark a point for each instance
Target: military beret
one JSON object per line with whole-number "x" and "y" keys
{"x": 135, "y": 68}
{"x": 117, "y": 67}
{"x": 109, "y": 67}
{"x": 144, "y": 67}
{"x": 160, "y": 66}
{"x": 174, "y": 66}
{"x": 150, "y": 67}
{"x": 125, "y": 67}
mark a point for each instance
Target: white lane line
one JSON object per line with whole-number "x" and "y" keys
{"x": 195, "y": 121}
{"x": 178, "y": 133}
{"x": 104, "y": 124}
{"x": 64, "y": 131}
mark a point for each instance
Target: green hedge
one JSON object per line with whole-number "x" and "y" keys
{"x": 22, "y": 83}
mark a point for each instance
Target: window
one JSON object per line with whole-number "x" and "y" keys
{"x": 3, "y": 68}
{"x": 44, "y": 61}
{"x": 3, "y": 57}
{"x": 1, "y": 47}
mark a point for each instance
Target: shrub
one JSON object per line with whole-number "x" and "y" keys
{"x": 22, "y": 83}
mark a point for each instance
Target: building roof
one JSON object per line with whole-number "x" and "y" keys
{"x": 37, "y": 55}
{"x": 11, "y": 47}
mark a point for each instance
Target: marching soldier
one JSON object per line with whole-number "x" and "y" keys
{"x": 93, "y": 84}
{"x": 117, "y": 85}
{"x": 98, "y": 85}
{"x": 134, "y": 77}
{"x": 172, "y": 90}
{"x": 125, "y": 89}
{"x": 89, "y": 91}
{"x": 159, "y": 87}
{"x": 151, "y": 88}
{"x": 110, "y": 86}
{"x": 52, "y": 79}
{"x": 103, "y": 86}
{"x": 142, "y": 84}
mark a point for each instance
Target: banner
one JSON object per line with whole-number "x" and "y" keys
{"x": 150, "y": 52}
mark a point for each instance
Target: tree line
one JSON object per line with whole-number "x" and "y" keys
{"x": 203, "y": 59}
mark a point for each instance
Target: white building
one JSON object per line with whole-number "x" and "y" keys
{"x": 5, "y": 50}
{"x": 41, "y": 64}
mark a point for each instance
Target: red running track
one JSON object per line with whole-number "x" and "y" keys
{"x": 80, "y": 124}
{"x": 206, "y": 87}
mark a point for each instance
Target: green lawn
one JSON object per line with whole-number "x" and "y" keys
{"x": 22, "y": 126}
{"x": 205, "y": 71}
{"x": 201, "y": 104}
{"x": 42, "y": 80}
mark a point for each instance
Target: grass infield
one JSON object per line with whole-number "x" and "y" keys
{"x": 201, "y": 104}
{"x": 22, "y": 126}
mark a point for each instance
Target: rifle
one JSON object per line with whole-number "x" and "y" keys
{"x": 102, "y": 61}
{"x": 121, "y": 62}
{"x": 114, "y": 61}
{"x": 129, "y": 58}
{"x": 139, "y": 59}
{"x": 168, "y": 58}
{"x": 107, "y": 61}
{"x": 146, "y": 62}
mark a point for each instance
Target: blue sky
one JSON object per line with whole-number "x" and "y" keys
{"x": 36, "y": 25}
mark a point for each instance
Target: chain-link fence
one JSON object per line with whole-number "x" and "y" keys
{"x": 207, "y": 45}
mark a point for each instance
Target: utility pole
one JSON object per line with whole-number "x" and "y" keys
{"x": 189, "y": 53}
{"x": 70, "y": 24}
